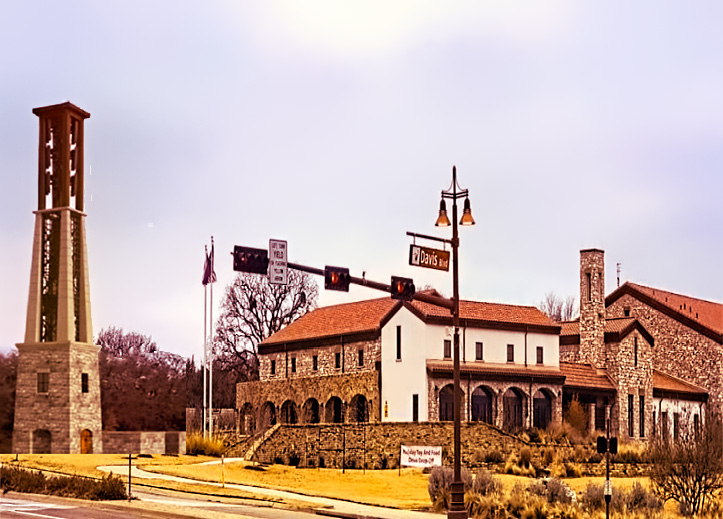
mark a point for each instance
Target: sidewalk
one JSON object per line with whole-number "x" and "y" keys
{"x": 321, "y": 505}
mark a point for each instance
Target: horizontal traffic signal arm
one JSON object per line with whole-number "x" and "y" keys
{"x": 419, "y": 296}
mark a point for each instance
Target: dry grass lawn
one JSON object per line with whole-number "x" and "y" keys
{"x": 376, "y": 487}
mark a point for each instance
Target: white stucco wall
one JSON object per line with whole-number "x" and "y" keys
{"x": 403, "y": 378}
{"x": 686, "y": 410}
{"x": 406, "y": 377}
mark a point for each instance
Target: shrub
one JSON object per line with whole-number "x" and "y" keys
{"x": 525, "y": 457}
{"x": 197, "y": 444}
{"x": 516, "y": 466}
{"x": 20, "y": 480}
{"x": 633, "y": 453}
{"x": 485, "y": 483}
{"x": 637, "y": 499}
{"x": 576, "y": 416}
{"x": 548, "y": 456}
{"x": 553, "y": 489}
{"x": 440, "y": 484}
{"x": 494, "y": 456}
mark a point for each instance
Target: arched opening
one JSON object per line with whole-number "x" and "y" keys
{"x": 268, "y": 415}
{"x": 86, "y": 441}
{"x": 288, "y": 412}
{"x": 310, "y": 411}
{"x": 247, "y": 420}
{"x": 446, "y": 403}
{"x": 42, "y": 442}
{"x": 358, "y": 410}
{"x": 334, "y": 410}
{"x": 482, "y": 405}
{"x": 512, "y": 409}
{"x": 541, "y": 409}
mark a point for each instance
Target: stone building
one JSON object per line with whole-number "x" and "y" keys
{"x": 57, "y": 402}
{"x": 618, "y": 361}
{"x": 384, "y": 360}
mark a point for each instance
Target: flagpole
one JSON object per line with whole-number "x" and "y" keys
{"x": 205, "y": 350}
{"x": 210, "y": 367}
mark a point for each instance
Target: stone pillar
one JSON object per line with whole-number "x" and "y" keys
{"x": 593, "y": 407}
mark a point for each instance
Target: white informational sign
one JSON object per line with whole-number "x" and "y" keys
{"x": 415, "y": 456}
{"x": 278, "y": 272}
{"x": 608, "y": 488}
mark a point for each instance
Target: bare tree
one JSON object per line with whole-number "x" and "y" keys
{"x": 252, "y": 310}
{"x": 557, "y": 308}
{"x": 689, "y": 469}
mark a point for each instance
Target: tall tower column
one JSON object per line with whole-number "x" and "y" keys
{"x": 592, "y": 306}
{"x": 57, "y": 403}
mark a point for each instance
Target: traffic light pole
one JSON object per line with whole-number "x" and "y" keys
{"x": 383, "y": 287}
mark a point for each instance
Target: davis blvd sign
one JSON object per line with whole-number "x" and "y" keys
{"x": 429, "y": 258}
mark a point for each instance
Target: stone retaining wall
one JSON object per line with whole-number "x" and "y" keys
{"x": 141, "y": 442}
{"x": 377, "y": 445}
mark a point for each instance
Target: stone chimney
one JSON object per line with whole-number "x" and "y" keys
{"x": 592, "y": 306}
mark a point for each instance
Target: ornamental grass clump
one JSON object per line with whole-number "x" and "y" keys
{"x": 440, "y": 485}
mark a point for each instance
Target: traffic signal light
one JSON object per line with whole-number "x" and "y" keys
{"x": 247, "y": 259}
{"x": 402, "y": 288}
{"x": 604, "y": 445}
{"x": 336, "y": 278}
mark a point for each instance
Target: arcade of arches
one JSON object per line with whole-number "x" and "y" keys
{"x": 508, "y": 405}
{"x": 352, "y": 397}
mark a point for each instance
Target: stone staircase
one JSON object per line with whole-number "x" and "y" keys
{"x": 260, "y": 441}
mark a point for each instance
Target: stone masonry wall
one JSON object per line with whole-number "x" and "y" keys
{"x": 631, "y": 378}
{"x": 251, "y": 396}
{"x": 325, "y": 359}
{"x": 377, "y": 445}
{"x": 678, "y": 350}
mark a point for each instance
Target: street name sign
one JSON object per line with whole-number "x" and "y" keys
{"x": 278, "y": 271}
{"x": 428, "y": 258}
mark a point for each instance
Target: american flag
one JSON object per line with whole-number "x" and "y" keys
{"x": 209, "y": 275}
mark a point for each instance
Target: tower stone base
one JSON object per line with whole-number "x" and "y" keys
{"x": 57, "y": 401}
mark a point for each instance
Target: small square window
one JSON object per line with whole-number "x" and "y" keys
{"x": 479, "y": 351}
{"x": 540, "y": 354}
{"x": 293, "y": 364}
{"x": 273, "y": 367}
{"x": 361, "y": 358}
{"x": 510, "y": 353}
{"x": 315, "y": 362}
{"x": 447, "y": 349}
{"x": 337, "y": 360}
{"x": 84, "y": 382}
{"x": 43, "y": 382}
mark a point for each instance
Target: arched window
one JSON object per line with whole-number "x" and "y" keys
{"x": 358, "y": 411}
{"x": 446, "y": 403}
{"x": 268, "y": 415}
{"x": 541, "y": 409}
{"x": 334, "y": 410}
{"x": 310, "y": 411}
{"x": 288, "y": 412}
{"x": 512, "y": 409}
{"x": 482, "y": 405}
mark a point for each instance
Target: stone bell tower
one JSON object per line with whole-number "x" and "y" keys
{"x": 57, "y": 402}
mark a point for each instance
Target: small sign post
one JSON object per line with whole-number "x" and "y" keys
{"x": 278, "y": 270}
{"x": 429, "y": 258}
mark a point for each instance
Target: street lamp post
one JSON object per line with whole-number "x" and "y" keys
{"x": 456, "y": 508}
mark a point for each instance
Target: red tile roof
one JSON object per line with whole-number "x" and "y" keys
{"x": 585, "y": 376}
{"x": 490, "y": 312}
{"x": 342, "y": 319}
{"x": 708, "y": 313}
{"x": 367, "y": 316}
{"x": 670, "y": 384}
{"x": 612, "y": 326}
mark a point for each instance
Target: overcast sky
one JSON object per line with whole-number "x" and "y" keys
{"x": 334, "y": 125}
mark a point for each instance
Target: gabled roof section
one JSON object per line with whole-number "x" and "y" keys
{"x": 344, "y": 319}
{"x": 481, "y": 314}
{"x": 703, "y": 316}
{"x": 586, "y": 376}
{"x": 665, "y": 385}
{"x": 615, "y": 330}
